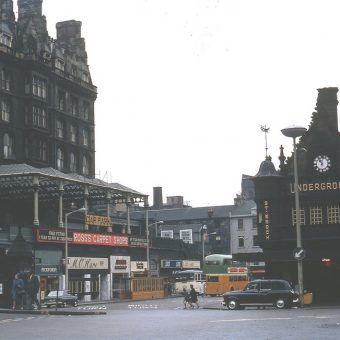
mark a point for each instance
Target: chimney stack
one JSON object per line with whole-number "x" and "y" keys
{"x": 157, "y": 198}
{"x": 326, "y": 106}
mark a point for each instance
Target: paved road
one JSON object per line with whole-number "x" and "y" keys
{"x": 166, "y": 319}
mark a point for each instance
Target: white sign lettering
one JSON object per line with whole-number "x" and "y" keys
{"x": 88, "y": 263}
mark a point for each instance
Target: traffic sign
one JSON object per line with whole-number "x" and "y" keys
{"x": 299, "y": 253}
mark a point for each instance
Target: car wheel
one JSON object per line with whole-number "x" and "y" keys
{"x": 280, "y": 303}
{"x": 232, "y": 304}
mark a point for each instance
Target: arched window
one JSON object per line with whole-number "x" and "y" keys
{"x": 8, "y": 146}
{"x": 60, "y": 159}
{"x": 86, "y": 165}
{"x": 73, "y": 162}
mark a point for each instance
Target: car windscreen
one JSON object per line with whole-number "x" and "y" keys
{"x": 55, "y": 293}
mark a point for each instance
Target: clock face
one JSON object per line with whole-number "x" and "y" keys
{"x": 322, "y": 163}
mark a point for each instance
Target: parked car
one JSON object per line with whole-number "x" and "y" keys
{"x": 63, "y": 296}
{"x": 277, "y": 293}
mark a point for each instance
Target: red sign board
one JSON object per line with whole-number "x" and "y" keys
{"x": 58, "y": 236}
{"x": 100, "y": 239}
{"x": 233, "y": 270}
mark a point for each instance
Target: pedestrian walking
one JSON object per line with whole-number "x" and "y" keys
{"x": 32, "y": 289}
{"x": 193, "y": 297}
{"x": 186, "y": 300}
{"x": 18, "y": 292}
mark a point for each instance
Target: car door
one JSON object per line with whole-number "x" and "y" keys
{"x": 249, "y": 295}
{"x": 265, "y": 293}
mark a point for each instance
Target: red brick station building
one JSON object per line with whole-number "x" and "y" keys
{"x": 318, "y": 159}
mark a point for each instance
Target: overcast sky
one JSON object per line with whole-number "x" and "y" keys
{"x": 184, "y": 85}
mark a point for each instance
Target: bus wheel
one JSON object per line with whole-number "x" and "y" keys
{"x": 232, "y": 304}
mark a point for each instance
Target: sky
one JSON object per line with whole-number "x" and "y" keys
{"x": 185, "y": 85}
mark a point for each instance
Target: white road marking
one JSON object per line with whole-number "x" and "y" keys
{"x": 242, "y": 320}
{"x": 268, "y": 319}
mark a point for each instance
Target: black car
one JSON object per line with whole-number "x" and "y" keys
{"x": 277, "y": 293}
{"x": 63, "y": 297}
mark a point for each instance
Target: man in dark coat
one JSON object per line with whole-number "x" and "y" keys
{"x": 32, "y": 288}
{"x": 193, "y": 296}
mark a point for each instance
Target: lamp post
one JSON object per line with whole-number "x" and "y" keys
{"x": 203, "y": 241}
{"x": 66, "y": 243}
{"x": 294, "y": 132}
{"x": 147, "y": 243}
{"x": 203, "y": 230}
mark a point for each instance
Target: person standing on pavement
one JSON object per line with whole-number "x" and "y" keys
{"x": 18, "y": 291}
{"x": 193, "y": 296}
{"x": 32, "y": 290}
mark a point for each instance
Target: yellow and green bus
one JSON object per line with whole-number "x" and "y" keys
{"x": 223, "y": 274}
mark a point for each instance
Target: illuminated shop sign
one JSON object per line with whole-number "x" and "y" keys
{"x": 88, "y": 263}
{"x": 139, "y": 242}
{"x": 47, "y": 270}
{"x": 120, "y": 264}
{"x": 98, "y": 220}
{"x": 176, "y": 264}
{"x": 75, "y": 237}
{"x": 266, "y": 220}
{"x": 321, "y": 186}
{"x": 138, "y": 266}
{"x": 100, "y": 239}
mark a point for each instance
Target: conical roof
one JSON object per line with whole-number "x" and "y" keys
{"x": 20, "y": 247}
{"x": 267, "y": 168}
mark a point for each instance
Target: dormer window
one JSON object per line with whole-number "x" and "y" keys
{"x": 59, "y": 64}
{"x": 85, "y": 77}
{"x": 5, "y": 39}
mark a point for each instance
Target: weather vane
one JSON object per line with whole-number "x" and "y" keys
{"x": 265, "y": 129}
